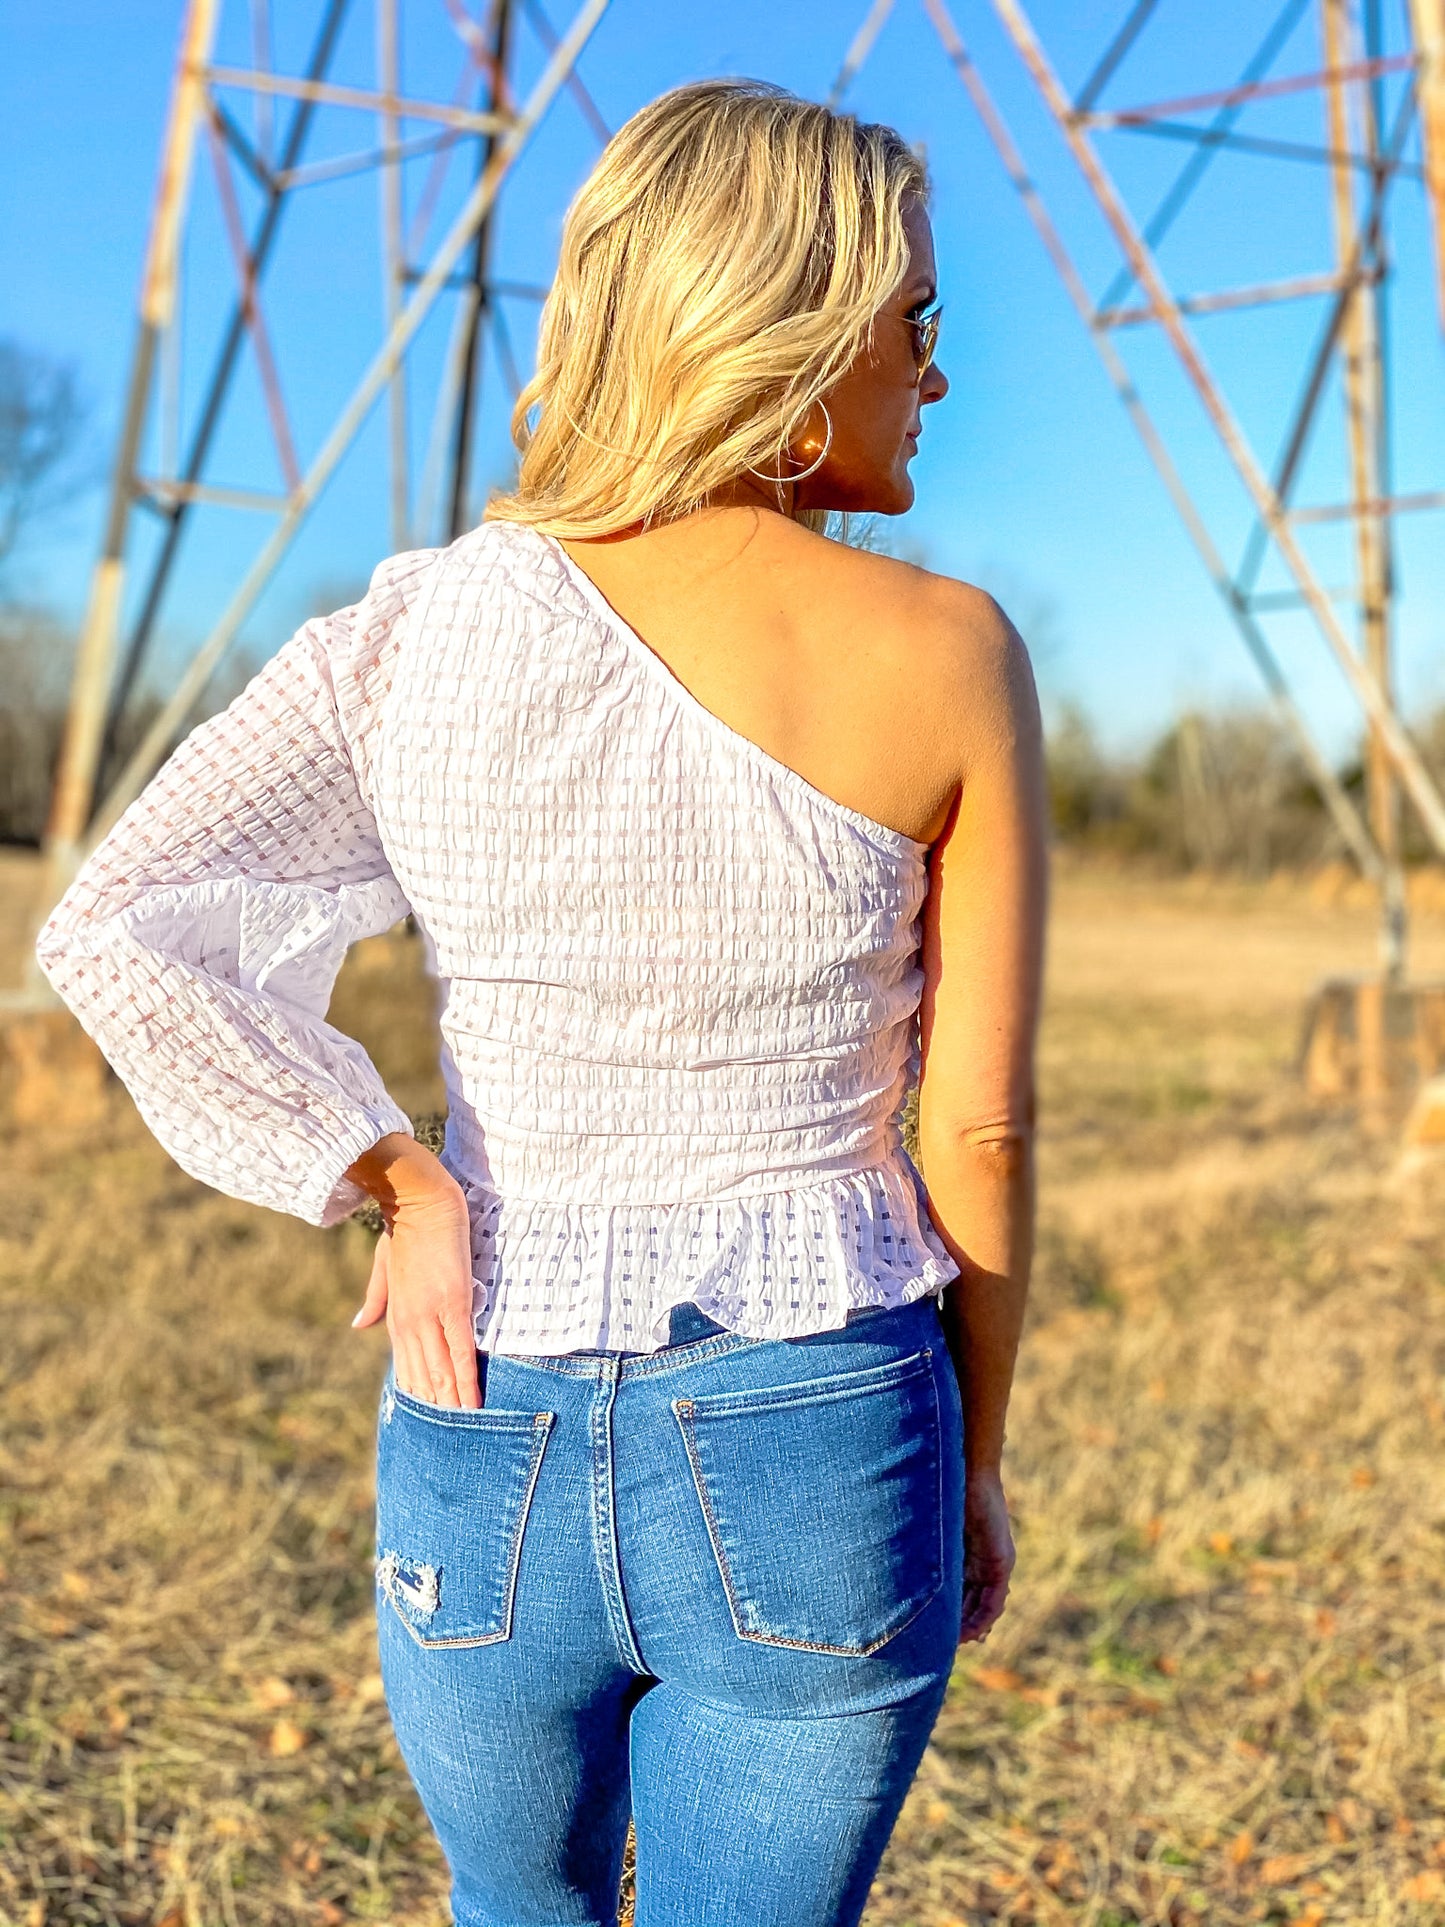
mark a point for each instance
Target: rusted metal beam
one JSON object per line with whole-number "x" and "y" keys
{"x": 1229, "y": 299}
{"x": 1209, "y": 142}
{"x": 1292, "y": 599}
{"x": 217, "y": 386}
{"x": 1365, "y": 258}
{"x": 251, "y": 308}
{"x": 1364, "y": 409}
{"x": 547, "y": 34}
{"x": 426, "y": 201}
{"x": 95, "y": 662}
{"x": 361, "y": 160}
{"x": 1373, "y": 699}
{"x": 1425, "y": 498}
{"x": 203, "y": 664}
{"x": 255, "y": 164}
{"x": 1347, "y": 819}
{"x": 1133, "y": 25}
{"x": 476, "y": 299}
{"x": 163, "y": 489}
{"x": 1248, "y": 91}
{"x": 859, "y": 49}
{"x": 1427, "y": 17}
{"x": 393, "y": 265}
{"x": 327, "y": 94}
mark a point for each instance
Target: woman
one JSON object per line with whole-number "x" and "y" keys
{"x": 720, "y": 834}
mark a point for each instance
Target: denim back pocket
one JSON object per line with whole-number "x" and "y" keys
{"x": 453, "y": 1489}
{"x": 824, "y": 1503}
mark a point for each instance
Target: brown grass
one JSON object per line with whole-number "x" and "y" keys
{"x": 1216, "y": 1693}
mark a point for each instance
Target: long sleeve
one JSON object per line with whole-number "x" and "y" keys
{"x": 199, "y": 943}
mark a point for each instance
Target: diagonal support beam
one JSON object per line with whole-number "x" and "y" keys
{"x": 173, "y": 715}
{"x": 1210, "y": 143}
{"x": 1372, "y": 698}
{"x": 216, "y": 390}
{"x": 859, "y": 49}
{"x": 1347, "y": 818}
{"x": 1427, "y": 17}
{"x": 1363, "y": 264}
{"x": 1362, "y": 355}
{"x": 1247, "y": 91}
{"x": 80, "y": 744}
{"x": 249, "y": 299}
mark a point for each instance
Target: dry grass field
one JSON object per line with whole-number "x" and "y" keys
{"x": 1216, "y": 1695}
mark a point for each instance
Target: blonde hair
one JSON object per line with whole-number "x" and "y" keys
{"x": 720, "y": 268}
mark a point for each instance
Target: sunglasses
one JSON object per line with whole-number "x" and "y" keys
{"x": 925, "y": 337}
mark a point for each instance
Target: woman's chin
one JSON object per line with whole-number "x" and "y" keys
{"x": 891, "y": 497}
{"x": 897, "y": 498}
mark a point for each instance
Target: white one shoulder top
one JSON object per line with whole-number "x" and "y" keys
{"x": 680, "y": 985}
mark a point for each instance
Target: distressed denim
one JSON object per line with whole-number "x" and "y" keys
{"x": 716, "y": 1587}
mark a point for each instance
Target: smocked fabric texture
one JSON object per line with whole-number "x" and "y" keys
{"x": 680, "y": 985}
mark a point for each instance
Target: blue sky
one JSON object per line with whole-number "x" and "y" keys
{"x": 1030, "y": 479}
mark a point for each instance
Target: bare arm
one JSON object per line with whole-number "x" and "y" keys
{"x": 983, "y": 963}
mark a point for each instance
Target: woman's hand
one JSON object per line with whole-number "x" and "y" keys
{"x": 421, "y": 1275}
{"x": 988, "y": 1554}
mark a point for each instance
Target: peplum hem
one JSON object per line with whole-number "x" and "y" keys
{"x": 551, "y": 1276}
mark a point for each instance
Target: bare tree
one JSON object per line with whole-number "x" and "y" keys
{"x": 41, "y": 416}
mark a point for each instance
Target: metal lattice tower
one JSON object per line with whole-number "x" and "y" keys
{"x": 1358, "y": 163}
{"x": 415, "y": 140}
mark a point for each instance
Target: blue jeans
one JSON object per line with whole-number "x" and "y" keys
{"x": 717, "y": 1587}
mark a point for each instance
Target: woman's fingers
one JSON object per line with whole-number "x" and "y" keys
{"x": 409, "y": 1363}
{"x": 432, "y": 1366}
{"x": 440, "y": 1375}
{"x": 983, "y": 1605}
{"x": 451, "y": 1353}
{"x": 462, "y": 1345}
{"x": 988, "y": 1559}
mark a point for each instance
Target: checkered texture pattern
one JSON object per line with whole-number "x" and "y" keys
{"x": 680, "y": 984}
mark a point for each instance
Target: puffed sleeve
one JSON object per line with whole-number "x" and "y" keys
{"x": 199, "y": 943}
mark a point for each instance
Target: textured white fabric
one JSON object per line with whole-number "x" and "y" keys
{"x": 680, "y": 984}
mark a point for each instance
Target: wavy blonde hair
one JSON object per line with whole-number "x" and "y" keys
{"x": 720, "y": 268}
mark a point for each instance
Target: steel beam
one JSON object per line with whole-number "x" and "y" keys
{"x": 859, "y": 49}
{"x": 202, "y": 666}
{"x": 1364, "y": 407}
{"x": 1372, "y": 697}
{"x": 210, "y": 412}
{"x": 1331, "y": 75}
{"x": 80, "y": 744}
{"x": 323, "y": 93}
{"x": 476, "y": 299}
{"x": 1336, "y": 798}
{"x": 1427, "y": 17}
{"x": 393, "y": 263}
{"x": 1228, "y": 299}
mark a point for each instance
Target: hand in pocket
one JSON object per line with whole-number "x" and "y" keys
{"x": 421, "y": 1278}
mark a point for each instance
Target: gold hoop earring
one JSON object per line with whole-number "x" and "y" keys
{"x": 812, "y": 468}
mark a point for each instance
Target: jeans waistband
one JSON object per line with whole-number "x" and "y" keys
{"x": 709, "y": 1340}
{"x": 687, "y": 1323}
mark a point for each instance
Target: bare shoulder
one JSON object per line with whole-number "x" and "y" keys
{"x": 958, "y": 640}
{"x": 963, "y": 624}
